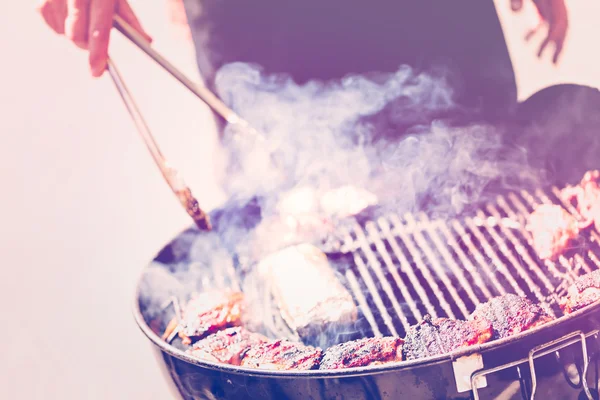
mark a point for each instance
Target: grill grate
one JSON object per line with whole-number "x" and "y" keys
{"x": 406, "y": 267}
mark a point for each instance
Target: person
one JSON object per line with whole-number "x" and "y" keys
{"x": 324, "y": 41}
{"x": 461, "y": 41}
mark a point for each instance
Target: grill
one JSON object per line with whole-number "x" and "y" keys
{"x": 406, "y": 267}
{"x": 400, "y": 268}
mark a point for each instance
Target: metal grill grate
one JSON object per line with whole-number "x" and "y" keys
{"x": 406, "y": 267}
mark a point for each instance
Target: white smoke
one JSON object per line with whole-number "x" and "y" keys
{"x": 322, "y": 136}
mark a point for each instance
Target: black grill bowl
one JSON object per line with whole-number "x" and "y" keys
{"x": 431, "y": 378}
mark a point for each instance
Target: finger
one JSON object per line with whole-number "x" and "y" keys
{"x": 516, "y": 5}
{"x": 51, "y": 15}
{"x": 544, "y": 9}
{"x": 126, "y": 12}
{"x": 531, "y": 33}
{"x": 543, "y": 46}
{"x": 101, "y": 16}
{"x": 76, "y": 24}
{"x": 557, "y": 51}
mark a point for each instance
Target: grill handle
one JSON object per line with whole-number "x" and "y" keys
{"x": 540, "y": 351}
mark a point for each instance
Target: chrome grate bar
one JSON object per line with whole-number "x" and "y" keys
{"x": 489, "y": 250}
{"x": 501, "y": 245}
{"x": 416, "y": 257}
{"x": 456, "y": 269}
{"x": 376, "y": 266}
{"x": 362, "y": 268}
{"x": 462, "y": 257}
{"x": 387, "y": 259}
{"x": 434, "y": 262}
{"x": 362, "y": 302}
{"x": 521, "y": 250}
{"x": 405, "y": 265}
{"x": 477, "y": 255}
{"x": 551, "y": 265}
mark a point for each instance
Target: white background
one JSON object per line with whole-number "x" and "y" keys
{"x": 83, "y": 208}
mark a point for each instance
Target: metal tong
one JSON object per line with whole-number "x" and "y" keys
{"x": 174, "y": 180}
{"x": 203, "y": 93}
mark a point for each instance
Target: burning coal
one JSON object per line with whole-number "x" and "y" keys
{"x": 320, "y": 138}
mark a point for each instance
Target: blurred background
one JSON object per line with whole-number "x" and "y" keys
{"x": 84, "y": 208}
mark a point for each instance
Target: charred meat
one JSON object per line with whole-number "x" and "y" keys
{"x": 228, "y": 346}
{"x": 582, "y": 293}
{"x": 208, "y": 313}
{"x": 306, "y": 290}
{"x": 363, "y": 352}
{"x": 553, "y": 229}
{"x": 586, "y": 197}
{"x": 282, "y": 355}
{"x": 442, "y": 335}
{"x": 510, "y": 314}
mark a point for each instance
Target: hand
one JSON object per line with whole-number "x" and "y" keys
{"x": 553, "y": 14}
{"x": 88, "y": 23}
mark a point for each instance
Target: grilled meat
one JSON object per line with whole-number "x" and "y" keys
{"x": 208, "y": 313}
{"x": 442, "y": 335}
{"x": 282, "y": 355}
{"x": 586, "y": 197}
{"x": 363, "y": 352}
{"x": 582, "y": 293}
{"x": 306, "y": 290}
{"x": 510, "y": 314}
{"x": 228, "y": 346}
{"x": 553, "y": 229}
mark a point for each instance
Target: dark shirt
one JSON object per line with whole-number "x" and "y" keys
{"x": 326, "y": 40}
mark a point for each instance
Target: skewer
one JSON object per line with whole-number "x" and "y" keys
{"x": 171, "y": 175}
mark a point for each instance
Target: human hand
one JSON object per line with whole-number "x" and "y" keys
{"x": 553, "y": 14}
{"x": 87, "y": 23}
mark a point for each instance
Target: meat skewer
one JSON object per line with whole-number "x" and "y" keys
{"x": 510, "y": 314}
{"x": 363, "y": 352}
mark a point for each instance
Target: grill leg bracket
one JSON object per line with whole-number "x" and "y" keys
{"x": 540, "y": 351}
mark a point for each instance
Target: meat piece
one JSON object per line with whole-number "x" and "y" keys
{"x": 586, "y": 198}
{"x": 228, "y": 346}
{"x": 208, "y": 313}
{"x": 442, "y": 335}
{"x": 510, "y": 314}
{"x": 363, "y": 352}
{"x": 582, "y": 293}
{"x": 282, "y": 355}
{"x": 553, "y": 229}
{"x": 306, "y": 290}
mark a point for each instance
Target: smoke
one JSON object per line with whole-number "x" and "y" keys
{"x": 393, "y": 136}
{"x": 324, "y": 136}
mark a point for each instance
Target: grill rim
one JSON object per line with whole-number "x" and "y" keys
{"x": 556, "y": 324}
